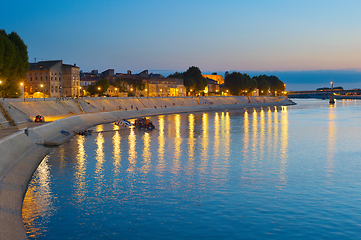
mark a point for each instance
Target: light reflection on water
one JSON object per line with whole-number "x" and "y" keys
{"x": 289, "y": 172}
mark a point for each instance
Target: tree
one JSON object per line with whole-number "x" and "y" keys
{"x": 176, "y": 75}
{"x": 99, "y": 88}
{"x": 262, "y": 84}
{"x": 194, "y": 80}
{"x": 238, "y": 83}
{"x": 276, "y": 84}
{"x": 13, "y": 63}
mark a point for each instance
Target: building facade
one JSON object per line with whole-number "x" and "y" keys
{"x": 44, "y": 79}
{"x": 71, "y": 81}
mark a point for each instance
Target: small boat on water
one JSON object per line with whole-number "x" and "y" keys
{"x": 123, "y": 123}
{"x": 140, "y": 123}
{"x": 85, "y": 132}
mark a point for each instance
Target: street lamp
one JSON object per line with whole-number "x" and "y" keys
{"x": 332, "y": 100}
{"x": 41, "y": 86}
{"x": 22, "y": 85}
{"x": 99, "y": 91}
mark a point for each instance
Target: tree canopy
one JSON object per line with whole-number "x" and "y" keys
{"x": 276, "y": 85}
{"x": 99, "y": 88}
{"x": 262, "y": 84}
{"x": 14, "y": 63}
{"x": 193, "y": 79}
{"x": 239, "y": 84}
{"x": 176, "y": 75}
{"x": 272, "y": 83}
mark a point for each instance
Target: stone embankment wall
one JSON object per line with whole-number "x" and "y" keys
{"x": 20, "y": 153}
{"x": 21, "y": 110}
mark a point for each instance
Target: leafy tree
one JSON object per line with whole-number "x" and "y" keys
{"x": 276, "y": 84}
{"x": 137, "y": 84}
{"x": 176, "y": 75}
{"x": 13, "y": 63}
{"x": 99, "y": 88}
{"x": 21, "y": 63}
{"x": 262, "y": 84}
{"x": 238, "y": 83}
{"x": 194, "y": 80}
{"x": 120, "y": 84}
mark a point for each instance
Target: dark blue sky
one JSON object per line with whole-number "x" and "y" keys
{"x": 264, "y": 36}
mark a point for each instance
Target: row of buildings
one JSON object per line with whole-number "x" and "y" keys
{"x": 56, "y": 79}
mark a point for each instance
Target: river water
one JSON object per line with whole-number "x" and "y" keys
{"x": 287, "y": 173}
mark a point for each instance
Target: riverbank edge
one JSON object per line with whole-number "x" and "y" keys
{"x": 24, "y": 153}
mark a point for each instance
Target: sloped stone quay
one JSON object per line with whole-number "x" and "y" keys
{"x": 22, "y": 151}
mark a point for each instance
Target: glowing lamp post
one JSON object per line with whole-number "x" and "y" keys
{"x": 99, "y": 91}
{"x": 23, "y": 89}
{"x": 41, "y": 87}
{"x": 332, "y": 100}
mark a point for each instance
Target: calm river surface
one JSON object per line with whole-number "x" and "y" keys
{"x": 287, "y": 173}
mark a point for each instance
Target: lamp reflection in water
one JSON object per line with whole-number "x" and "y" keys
{"x": 38, "y": 202}
{"x": 284, "y": 144}
{"x": 331, "y": 138}
{"x": 117, "y": 151}
{"x": 191, "y": 139}
{"x": 146, "y": 153}
{"x": 99, "y": 160}
{"x": 217, "y": 139}
{"x": 80, "y": 170}
{"x": 161, "y": 143}
{"x": 262, "y": 134}
{"x": 177, "y": 144}
{"x": 255, "y": 143}
{"x": 227, "y": 135}
{"x": 205, "y": 137}
{"x": 132, "y": 152}
{"x": 246, "y": 136}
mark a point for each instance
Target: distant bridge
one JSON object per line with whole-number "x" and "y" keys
{"x": 325, "y": 94}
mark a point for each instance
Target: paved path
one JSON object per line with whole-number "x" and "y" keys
{"x": 12, "y": 129}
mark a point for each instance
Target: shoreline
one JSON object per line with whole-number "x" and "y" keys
{"x": 24, "y": 152}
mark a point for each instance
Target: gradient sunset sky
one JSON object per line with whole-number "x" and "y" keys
{"x": 173, "y": 35}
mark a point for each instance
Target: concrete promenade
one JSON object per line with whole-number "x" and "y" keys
{"x": 22, "y": 150}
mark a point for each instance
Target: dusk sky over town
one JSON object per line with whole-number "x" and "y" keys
{"x": 216, "y": 36}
